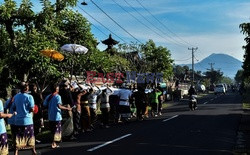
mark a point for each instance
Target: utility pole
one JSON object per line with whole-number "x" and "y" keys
{"x": 211, "y": 64}
{"x": 193, "y": 49}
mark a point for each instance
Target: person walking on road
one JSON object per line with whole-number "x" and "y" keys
{"x": 8, "y": 107}
{"x": 54, "y": 104}
{"x": 38, "y": 113}
{"x": 85, "y": 112}
{"x": 140, "y": 99}
{"x": 76, "y": 95}
{"x": 124, "y": 106}
{"x": 154, "y": 101}
{"x": 23, "y": 106}
{"x": 67, "y": 101}
{"x": 4, "y": 150}
{"x": 92, "y": 100}
{"x": 160, "y": 99}
{"x": 105, "y": 106}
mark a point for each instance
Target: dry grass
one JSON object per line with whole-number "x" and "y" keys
{"x": 246, "y": 99}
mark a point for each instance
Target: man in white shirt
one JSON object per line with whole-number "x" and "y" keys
{"x": 124, "y": 106}
{"x": 92, "y": 100}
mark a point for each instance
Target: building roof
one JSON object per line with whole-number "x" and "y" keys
{"x": 110, "y": 41}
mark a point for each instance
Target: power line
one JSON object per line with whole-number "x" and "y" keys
{"x": 95, "y": 26}
{"x": 153, "y": 25}
{"x": 203, "y": 55}
{"x": 196, "y": 59}
{"x": 131, "y": 15}
{"x": 115, "y": 22}
{"x": 99, "y": 29}
{"x": 184, "y": 59}
{"x": 162, "y": 23}
{"x": 138, "y": 19}
{"x": 102, "y": 25}
{"x": 199, "y": 63}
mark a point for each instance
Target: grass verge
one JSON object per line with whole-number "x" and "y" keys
{"x": 246, "y": 99}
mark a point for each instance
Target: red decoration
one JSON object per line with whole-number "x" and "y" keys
{"x": 35, "y": 109}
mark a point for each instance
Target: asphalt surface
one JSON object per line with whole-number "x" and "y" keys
{"x": 209, "y": 130}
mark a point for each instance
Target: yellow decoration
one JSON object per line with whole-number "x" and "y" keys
{"x": 53, "y": 54}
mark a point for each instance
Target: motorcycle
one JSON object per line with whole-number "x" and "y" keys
{"x": 193, "y": 102}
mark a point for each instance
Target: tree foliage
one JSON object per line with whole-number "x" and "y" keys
{"x": 148, "y": 58}
{"x": 215, "y": 76}
{"x": 227, "y": 80}
{"x": 133, "y": 53}
{"x": 24, "y": 33}
{"x": 181, "y": 72}
{"x": 245, "y": 29}
{"x": 158, "y": 59}
{"x": 239, "y": 76}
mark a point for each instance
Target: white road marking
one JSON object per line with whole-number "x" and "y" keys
{"x": 205, "y": 102}
{"x": 107, "y": 143}
{"x": 170, "y": 118}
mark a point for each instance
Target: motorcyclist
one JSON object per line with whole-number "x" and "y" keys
{"x": 191, "y": 93}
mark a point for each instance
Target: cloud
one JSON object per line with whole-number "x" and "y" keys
{"x": 212, "y": 26}
{"x": 240, "y": 13}
{"x": 230, "y": 44}
{"x": 207, "y": 44}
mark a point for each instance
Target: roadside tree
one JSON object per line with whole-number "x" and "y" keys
{"x": 215, "y": 76}
{"x": 158, "y": 59}
{"x": 24, "y": 33}
{"x": 239, "y": 76}
{"x": 245, "y": 29}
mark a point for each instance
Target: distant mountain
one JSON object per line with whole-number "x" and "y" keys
{"x": 223, "y": 62}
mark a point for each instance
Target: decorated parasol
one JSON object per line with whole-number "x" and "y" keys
{"x": 53, "y": 54}
{"x": 73, "y": 49}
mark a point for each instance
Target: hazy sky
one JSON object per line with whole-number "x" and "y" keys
{"x": 210, "y": 25}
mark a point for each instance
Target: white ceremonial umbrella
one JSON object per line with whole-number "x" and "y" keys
{"x": 74, "y": 48}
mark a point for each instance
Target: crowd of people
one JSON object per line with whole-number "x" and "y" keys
{"x": 27, "y": 109}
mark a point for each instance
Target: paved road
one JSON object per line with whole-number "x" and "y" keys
{"x": 209, "y": 130}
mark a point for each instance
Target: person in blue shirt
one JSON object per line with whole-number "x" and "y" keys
{"x": 54, "y": 104}
{"x": 3, "y": 134}
{"x": 8, "y": 107}
{"x": 23, "y": 106}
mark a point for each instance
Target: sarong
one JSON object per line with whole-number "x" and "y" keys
{"x": 56, "y": 130}
{"x": 76, "y": 121}
{"x": 4, "y": 144}
{"x": 13, "y": 129}
{"x": 25, "y": 138}
{"x": 124, "y": 111}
